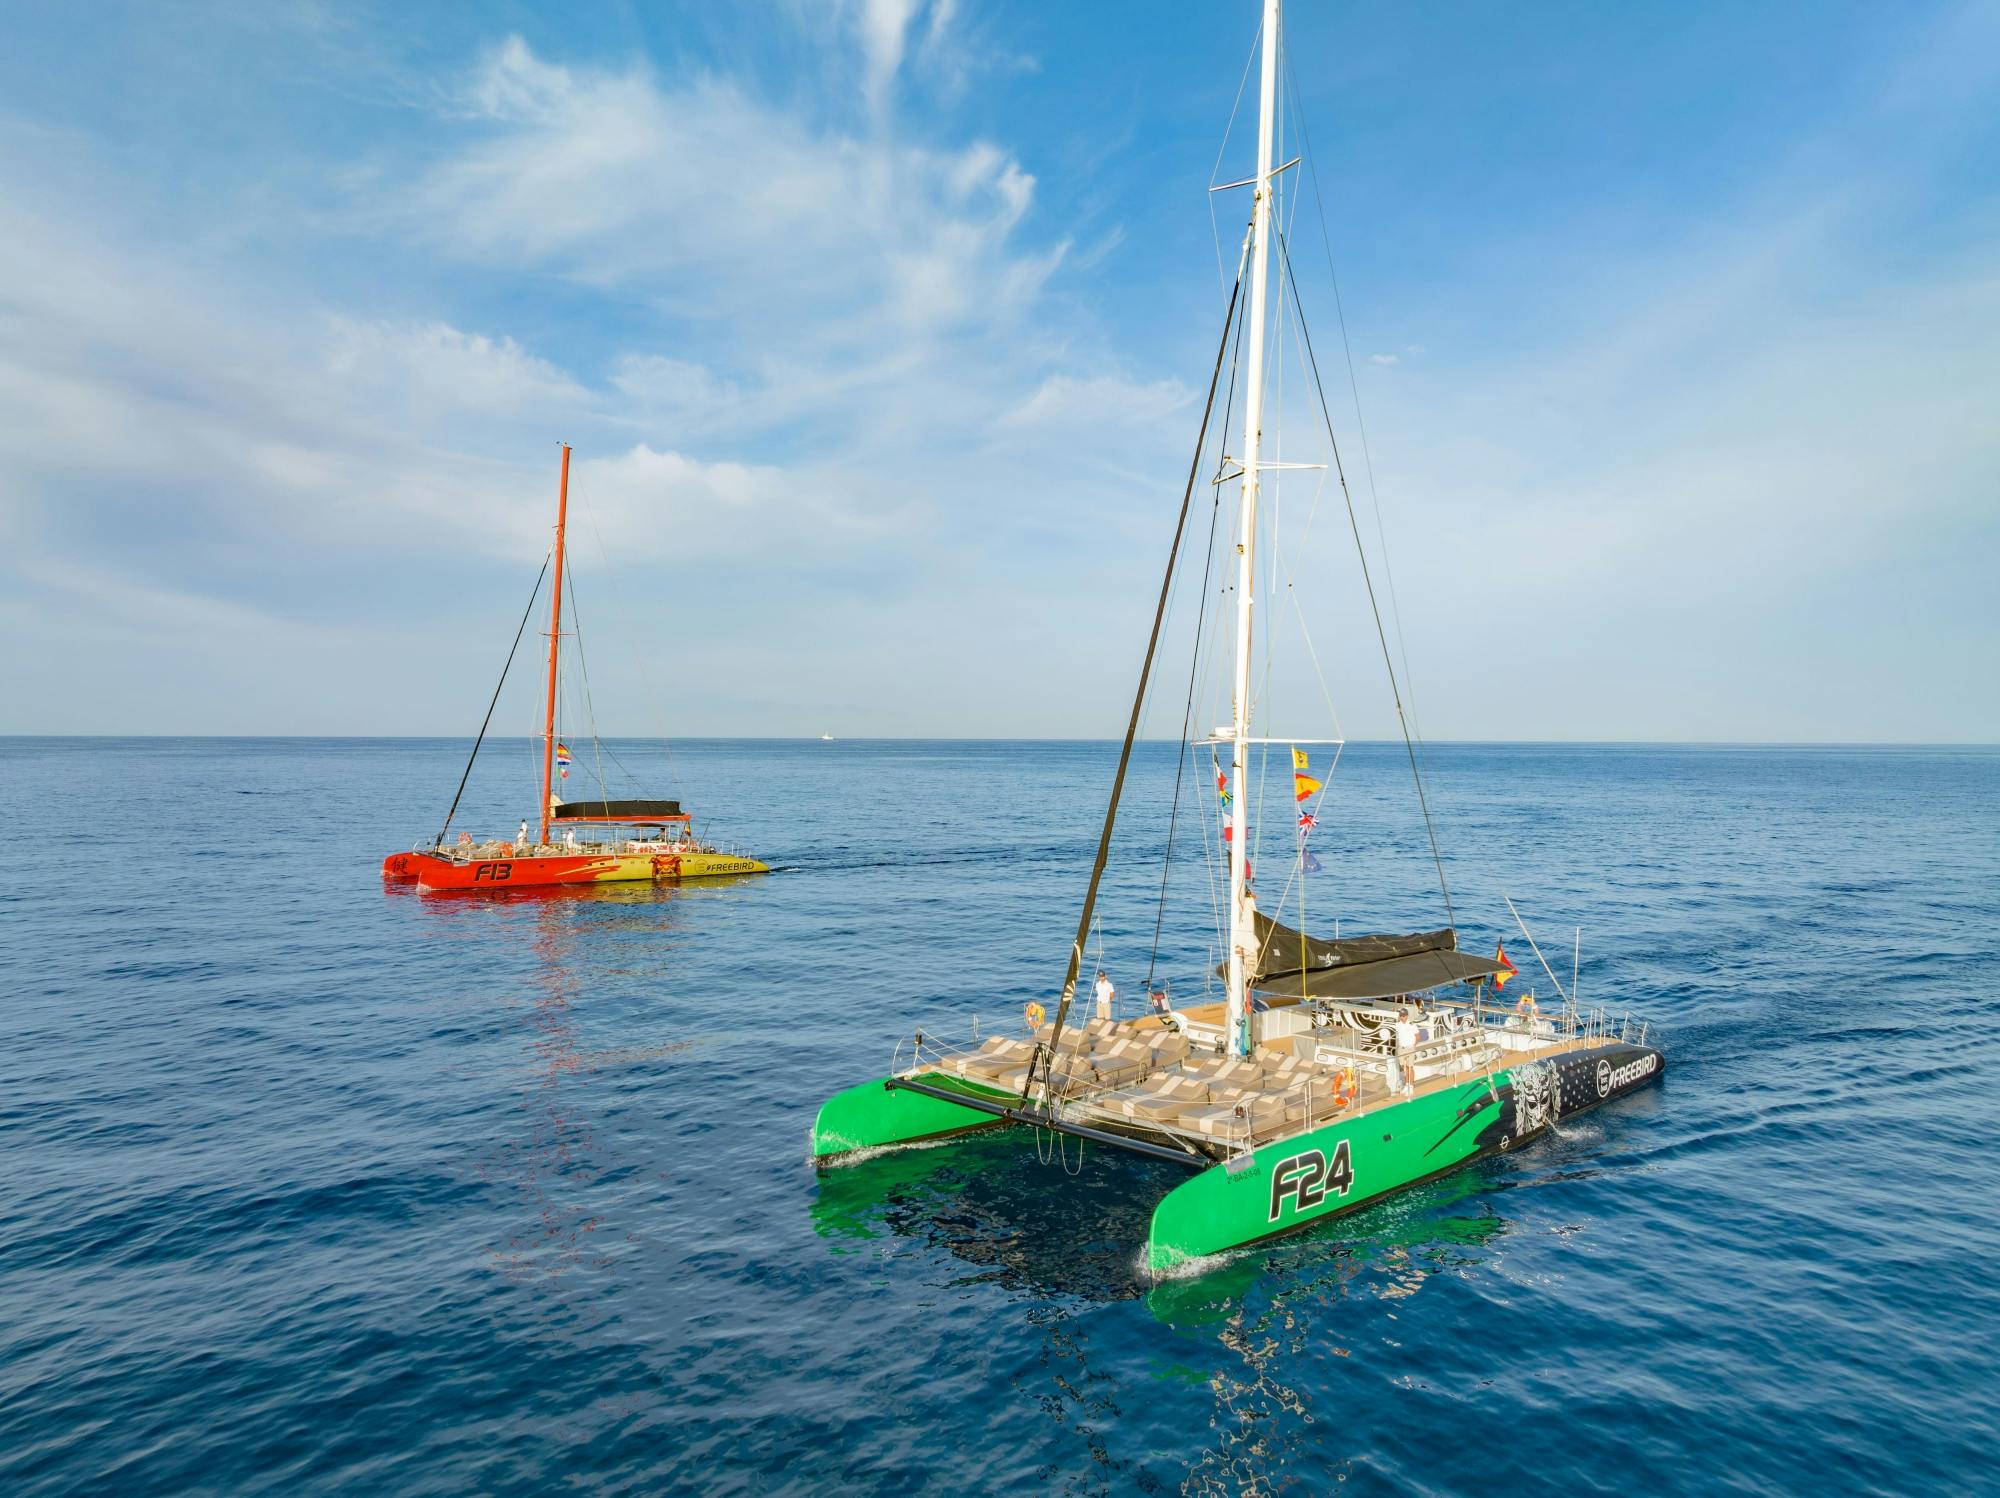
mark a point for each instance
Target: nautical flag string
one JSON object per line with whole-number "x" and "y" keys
{"x": 1303, "y": 784}
{"x": 562, "y": 754}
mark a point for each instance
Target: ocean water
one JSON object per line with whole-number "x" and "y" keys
{"x": 309, "y": 1185}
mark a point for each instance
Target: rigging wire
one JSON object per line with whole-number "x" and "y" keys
{"x": 1196, "y": 658}
{"x": 488, "y": 723}
{"x": 1402, "y": 718}
{"x": 1354, "y": 389}
{"x": 620, "y": 600}
{"x": 1132, "y": 726}
{"x": 583, "y": 671}
{"x": 1214, "y": 229}
{"x": 1211, "y": 652}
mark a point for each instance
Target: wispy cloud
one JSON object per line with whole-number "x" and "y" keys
{"x": 709, "y": 202}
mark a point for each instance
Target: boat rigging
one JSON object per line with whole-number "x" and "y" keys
{"x": 1332, "y": 1071}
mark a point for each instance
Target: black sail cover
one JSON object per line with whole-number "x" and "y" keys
{"x": 617, "y": 811}
{"x": 1292, "y": 965}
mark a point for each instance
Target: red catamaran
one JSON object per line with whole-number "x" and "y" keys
{"x": 629, "y": 839}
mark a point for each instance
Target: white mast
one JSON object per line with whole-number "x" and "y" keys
{"x": 1242, "y": 926}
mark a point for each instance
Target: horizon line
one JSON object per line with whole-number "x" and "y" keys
{"x": 768, "y": 738}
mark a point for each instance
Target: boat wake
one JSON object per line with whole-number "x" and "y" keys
{"x": 862, "y": 1156}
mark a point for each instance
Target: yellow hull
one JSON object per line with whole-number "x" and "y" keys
{"x": 684, "y": 866}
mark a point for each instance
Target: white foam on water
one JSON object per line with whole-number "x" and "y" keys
{"x": 1187, "y": 1269}
{"x": 871, "y": 1152}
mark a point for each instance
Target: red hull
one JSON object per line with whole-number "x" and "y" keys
{"x": 529, "y": 872}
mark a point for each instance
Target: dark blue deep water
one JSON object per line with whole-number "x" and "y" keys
{"x": 312, "y": 1186}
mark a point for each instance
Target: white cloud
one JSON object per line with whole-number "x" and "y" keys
{"x": 704, "y": 199}
{"x": 1100, "y": 404}
{"x": 1384, "y": 359}
{"x": 438, "y": 370}
{"x": 882, "y": 24}
{"x": 201, "y": 415}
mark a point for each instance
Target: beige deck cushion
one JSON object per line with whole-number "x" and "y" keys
{"x": 1067, "y": 1079}
{"x": 1244, "y": 1073}
{"x": 1220, "y": 1121}
{"x": 1269, "y": 1122}
{"x": 1074, "y": 1037}
{"x": 1287, "y": 1074}
{"x": 1010, "y": 1080}
{"x": 1232, "y": 1114}
{"x": 1168, "y": 1047}
{"x": 1160, "y": 1099}
{"x": 995, "y": 1055}
{"x": 1116, "y": 1071}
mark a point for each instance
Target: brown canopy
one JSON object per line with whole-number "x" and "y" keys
{"x": 618, "y": 811}
{"x": 1292, "y": 965}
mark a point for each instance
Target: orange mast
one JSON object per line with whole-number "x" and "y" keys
{"x": 555, "y": 642}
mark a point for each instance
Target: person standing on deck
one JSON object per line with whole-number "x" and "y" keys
{"x": 1105, "y": 993}
{"x": 521, "y": 837}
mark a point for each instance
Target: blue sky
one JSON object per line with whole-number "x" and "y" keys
{"x": 880, "y": 330}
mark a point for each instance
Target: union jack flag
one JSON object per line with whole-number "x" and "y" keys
{"x": 1307, "y": 821}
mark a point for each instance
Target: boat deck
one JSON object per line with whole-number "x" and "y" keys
{"x": 1170, "y": 1083}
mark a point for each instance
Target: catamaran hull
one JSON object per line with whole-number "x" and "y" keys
{"x": 876, "y": 1115}
{"x": 542, "y": 871}
{"x": 1291, "y": 1183}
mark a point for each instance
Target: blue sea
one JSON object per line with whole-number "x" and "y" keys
{"x": 310, "y": 1185}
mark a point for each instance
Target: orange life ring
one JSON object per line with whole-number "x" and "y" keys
{"x": 1034, "y": 1014}
{"x": 506, "y": 850}
{"x": 1343, "y": 1087}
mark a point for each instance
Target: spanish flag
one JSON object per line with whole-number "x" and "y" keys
{"x": 1303, "y": 785}
{"x": 1506, "y": 968}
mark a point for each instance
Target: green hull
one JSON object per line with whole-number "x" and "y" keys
{"x": 1289, "y": 1183}
{"x": 1332, "y": 1169}
{"x": 1345, "y": 1165}
{"x": 875, "y": 1114}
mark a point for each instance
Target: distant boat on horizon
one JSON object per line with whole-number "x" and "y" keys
{"x": 826, "y": 738}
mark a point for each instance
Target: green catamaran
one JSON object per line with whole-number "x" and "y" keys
{"x": 1330, "y": 1072}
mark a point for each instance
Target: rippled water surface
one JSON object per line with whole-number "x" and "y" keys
{"x": 311, "y": 1185}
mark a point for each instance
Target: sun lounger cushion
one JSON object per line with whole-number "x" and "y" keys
{"x": 995, "y": 1055}
{"x": 1222, "y": 1121}
{"x": 1159, "y": 1100}
{"x": 1115, "y": 1071}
